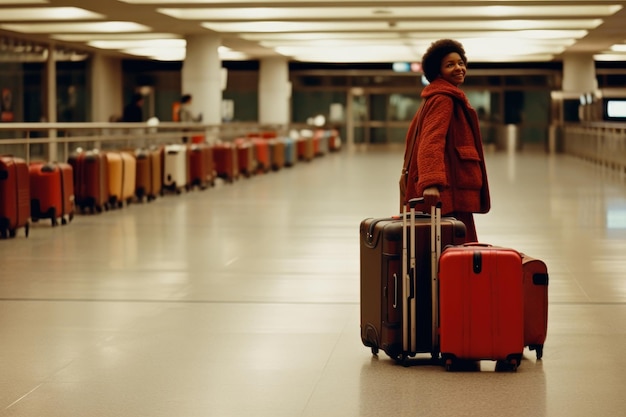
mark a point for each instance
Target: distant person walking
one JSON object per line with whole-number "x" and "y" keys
{"x": 133, "y": 112}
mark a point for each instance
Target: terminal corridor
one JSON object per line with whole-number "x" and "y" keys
{"x": 243, "y": 300}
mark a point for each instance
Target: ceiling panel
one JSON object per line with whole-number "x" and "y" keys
{"x": 329, "y": 30}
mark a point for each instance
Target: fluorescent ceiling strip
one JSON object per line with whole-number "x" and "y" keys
{"x": 310, "y": 36}
{"x": 47, "y": 13}
{"x": 479, "y": 25}
{"x": 114, "y": 37}
{"x": 385, "y": 13}
{"x": 138, "y": 43}
{"x": 92, "y": 27}
{"x": 619, "y": 48}
{"x": 21, "y": 2}
{"x": 610, "y": 57}
{"x": 286, "y": 2}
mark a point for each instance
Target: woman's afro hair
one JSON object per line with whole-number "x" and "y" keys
{"x": 431, "y": 61}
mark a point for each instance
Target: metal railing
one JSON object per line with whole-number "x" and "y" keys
{"x": 603, "y": 143}
{"x": 56, "y": 141}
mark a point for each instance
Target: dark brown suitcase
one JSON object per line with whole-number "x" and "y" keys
{"x": 382, "y": 279}
{"x": 91, "y": 186}
{"x": 14, "y": 196}
{"x": 149, "y": 178}
{"x": 535, "y": 303}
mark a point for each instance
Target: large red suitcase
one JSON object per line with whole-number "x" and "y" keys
{"x": 535, "y": 303}
{"x": 14, "y": 196}
{"x": 396, "y": 317}
{"x": 481, "y": 304}
{"x": 51, "y": 192}
{"x": 91, "y": 181}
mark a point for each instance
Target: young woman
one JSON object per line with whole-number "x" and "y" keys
{"x": 444, "y": 160}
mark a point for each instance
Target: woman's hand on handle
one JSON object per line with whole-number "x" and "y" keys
{"x": 431, "y": 196}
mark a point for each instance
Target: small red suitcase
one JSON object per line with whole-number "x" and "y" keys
{"x": 481, "y": 304}
{"x": 535, "y": 303}
{"x": 262, "y": 154}
{"x": 52, "y": 192}
{"x": 14, "y": 196}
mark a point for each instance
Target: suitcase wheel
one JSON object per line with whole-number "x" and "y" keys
{"x": 538, "y": 350}
{"x": 375, "y": 350}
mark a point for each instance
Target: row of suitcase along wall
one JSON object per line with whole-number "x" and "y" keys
{"x": 94, "y": 181}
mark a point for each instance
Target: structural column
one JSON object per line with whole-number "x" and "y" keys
{"x": 274, "y": 92}
{"x": 106, "y": 88}
{"x": 579, "y": 74}
{"x": 202, "y": 77}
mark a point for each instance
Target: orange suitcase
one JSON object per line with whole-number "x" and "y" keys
{"x": 122, "y": 172}
{"x": 14, "y": 196}
{"x": 52, "y": 192}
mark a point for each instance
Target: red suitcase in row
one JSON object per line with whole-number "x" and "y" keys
{"x": 225, "y": 158}
{"x": 51, "y": 192}
{"x": 481, "y": 304}
{"x": 14, "y": 196}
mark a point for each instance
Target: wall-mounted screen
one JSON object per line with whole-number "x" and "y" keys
{"x": 615, "y": 109}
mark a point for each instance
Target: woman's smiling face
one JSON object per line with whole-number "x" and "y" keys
{"x": 453, "y": 69}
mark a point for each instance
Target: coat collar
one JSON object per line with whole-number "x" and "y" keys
{"x": 441, "y": 86}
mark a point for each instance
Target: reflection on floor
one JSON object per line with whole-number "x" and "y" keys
{"x": 244, "y": 300}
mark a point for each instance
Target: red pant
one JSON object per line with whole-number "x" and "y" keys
{"x": 468, "y": 220}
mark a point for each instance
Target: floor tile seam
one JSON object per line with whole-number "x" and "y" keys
{"x": 159, "y": 301}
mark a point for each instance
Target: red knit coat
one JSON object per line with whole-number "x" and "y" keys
{"x": 448, "y": 151}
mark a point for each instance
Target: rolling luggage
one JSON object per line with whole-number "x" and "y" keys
{"x": 200, "y": 165}
{"x": 535, "y": 303}
{"x": 14, "y": 196}
{"x": 305, "y": 148}
{"x": 262, "y": 154}
{"x": 175, "y": 168}
{"x": 277, "y": 151}
{"x": 225, "y": 156}
{"x": 149, "y": 178}
{"x": 51, "y": 192}
{"x": 91, "y": 180}
{"x": 396, "y": 292}
{"x": 122, "y": 172}
{"x": 245, "y": 157}
{"x": 291, "y": 153}
{"x": 481, "y": 304}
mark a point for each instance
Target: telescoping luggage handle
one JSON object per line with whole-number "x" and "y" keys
{"x": 435, "y": 254}
{"x": 409, "y": 273}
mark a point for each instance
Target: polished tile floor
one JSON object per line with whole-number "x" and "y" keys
{"x": 243, "y": 300}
